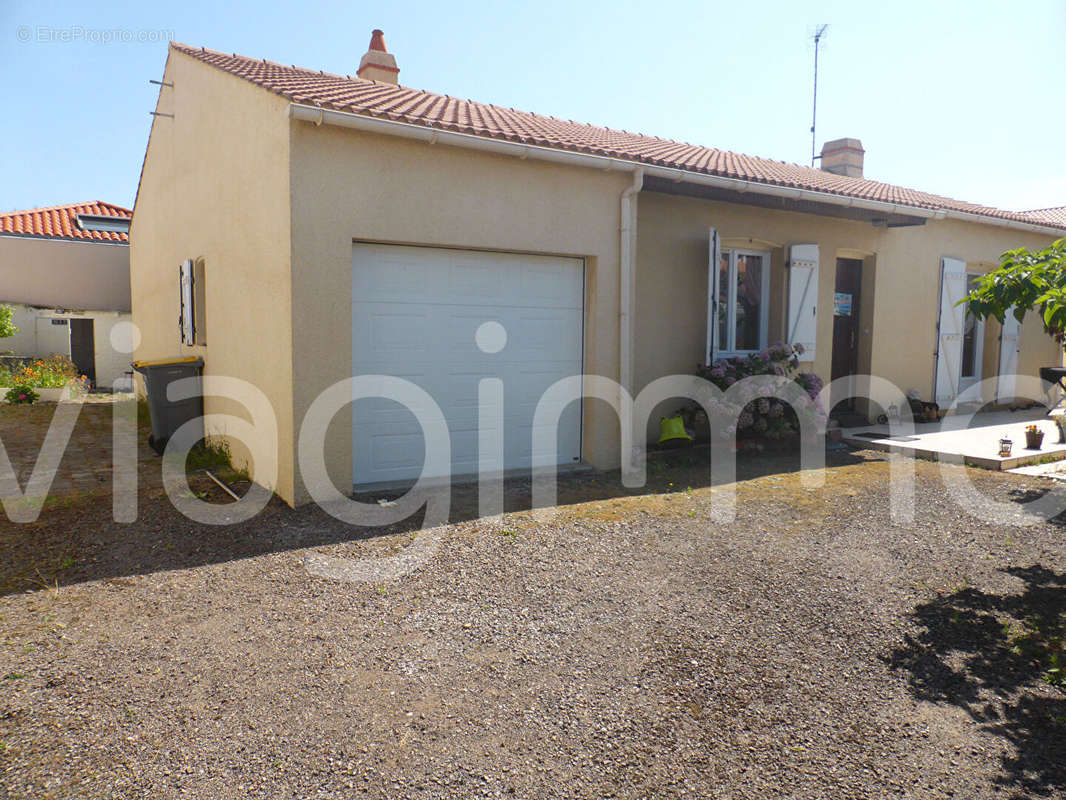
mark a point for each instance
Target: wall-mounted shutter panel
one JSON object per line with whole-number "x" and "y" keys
{"x": 714, "y": 258}
{"x": 803, "y": 298}
{"x": 1009, "y": 346}
{"x": 950, "y": 329}
{"x": 199, "y": 303}
{"x": 188, "y": 314}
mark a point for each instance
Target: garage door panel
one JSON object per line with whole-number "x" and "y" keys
{"x": 389, "y": 328}
{"x": 416, "y": 312}
{"x": 552, "y": 284}
{"x": 470, "y": 279}
{"x": 385, "y": 275}
{"x": 535, "y": 452}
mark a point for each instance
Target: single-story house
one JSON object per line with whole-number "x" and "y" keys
{"x": 346, "y": 225}
{"x": 65, "y": 270}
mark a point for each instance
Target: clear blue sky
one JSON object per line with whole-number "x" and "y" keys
{"x": 963, "y": 99}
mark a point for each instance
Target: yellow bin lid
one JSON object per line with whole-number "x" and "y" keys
{"x": 159, "y": 362}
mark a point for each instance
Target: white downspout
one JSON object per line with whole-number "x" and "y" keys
{"x": 627, "y": 248}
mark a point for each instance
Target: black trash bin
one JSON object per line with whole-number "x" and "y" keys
{"x": 169, "y": 415}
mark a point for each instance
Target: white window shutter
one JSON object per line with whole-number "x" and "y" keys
{"x": 950, "y": 329}
{"x": 188, "y": 316}
{"x": 803, "y": 298}
{"x": 1009, "y": 346}
{"x": 713, "y": 258}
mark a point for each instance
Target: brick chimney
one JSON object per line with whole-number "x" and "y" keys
{"x": 843, "y": 157}
{"x": 378, "y": 64}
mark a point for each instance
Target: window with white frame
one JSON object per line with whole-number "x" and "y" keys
{"x": 743, "y": 301}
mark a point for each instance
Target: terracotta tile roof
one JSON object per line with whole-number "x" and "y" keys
{"x": 387, "y": 101}
{"x": 60, "y": 222}
{"x": 1053, "y": 216}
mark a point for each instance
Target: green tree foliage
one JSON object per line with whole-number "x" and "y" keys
{"x": 1026, "y": 280}
{"x": 7, "y": 327}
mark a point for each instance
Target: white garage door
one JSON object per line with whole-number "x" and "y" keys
{"x": 415, "y": 313}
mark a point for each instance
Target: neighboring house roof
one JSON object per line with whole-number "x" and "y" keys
{"x": 61, "y": 222}
{"x": 399, "y": 103}
{"x": 1054, "y": 216}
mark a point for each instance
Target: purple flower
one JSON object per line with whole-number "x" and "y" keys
{"x": 730, "y": 380}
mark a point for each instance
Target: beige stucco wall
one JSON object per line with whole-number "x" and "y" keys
{"x": 908, "y": 297}
{"x": 93, "y": 276}
{"x": 216, "y": 186}
{"x": 356, "y": 186}
{"x": 900, "y": 298}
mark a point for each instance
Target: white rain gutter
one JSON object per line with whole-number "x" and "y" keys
{"x": 422, "y": 133}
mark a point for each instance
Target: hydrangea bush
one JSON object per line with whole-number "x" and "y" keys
{"x": 762, "y": 417}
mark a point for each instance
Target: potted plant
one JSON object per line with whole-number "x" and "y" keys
{"x": 1005, "y": 445}
{"x": 1034, "y": 437}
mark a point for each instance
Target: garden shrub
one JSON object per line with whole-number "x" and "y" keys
{"x": 762, "y": 417}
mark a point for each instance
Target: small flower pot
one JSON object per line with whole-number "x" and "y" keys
{"x": 1033, "y": 439}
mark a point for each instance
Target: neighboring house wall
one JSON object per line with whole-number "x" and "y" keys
{"x": 215, "y": 186}
{"x": 38, "y": 337}
{"x": 436, "y": 195}
{"x": 62, "y": 274}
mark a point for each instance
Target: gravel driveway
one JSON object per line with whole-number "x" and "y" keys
{"x": 628, "y": 648}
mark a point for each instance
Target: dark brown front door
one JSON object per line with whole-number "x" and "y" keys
{"x": 846, "y": 318}
{"x": 83, "y": 347}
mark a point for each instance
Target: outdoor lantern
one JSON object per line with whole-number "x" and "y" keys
{"x": 672, "y": 429}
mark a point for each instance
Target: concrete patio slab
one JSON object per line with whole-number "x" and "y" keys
{"x": 972, "y": 440}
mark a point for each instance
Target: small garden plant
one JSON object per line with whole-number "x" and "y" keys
{"x": 21, "y": 395}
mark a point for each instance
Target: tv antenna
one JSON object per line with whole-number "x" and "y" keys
{"x": 818, "y": 34}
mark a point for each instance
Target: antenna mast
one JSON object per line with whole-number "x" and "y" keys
{"x": 818, "y": 34}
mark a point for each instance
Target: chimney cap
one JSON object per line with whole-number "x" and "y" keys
{"x": 377, "y": 40}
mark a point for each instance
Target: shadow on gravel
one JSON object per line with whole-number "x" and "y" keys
{"x": 76, "y": 540}
{"x": 1000, "y": 658}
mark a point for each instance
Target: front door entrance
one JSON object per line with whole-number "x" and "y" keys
{"x": 846, "y": 320}
{"x": 83, "y": 347}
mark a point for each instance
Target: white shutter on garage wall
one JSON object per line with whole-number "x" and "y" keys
{"x": 714, "y": 257}
{"x": 803, "y": 298}
{"x": 1009, "y": 347}
{"x": 950, "y": 329}
{"x": 186, "y": 315}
